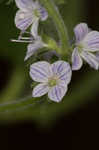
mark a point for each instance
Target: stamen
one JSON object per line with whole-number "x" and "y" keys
{"x": 53, "y": 81}
{"x": 21, "y": 41}
{"x": 25, "y": 32}
{"x": 25, "y": 38}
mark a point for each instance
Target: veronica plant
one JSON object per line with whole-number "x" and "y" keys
{"x": 53, "y": 78}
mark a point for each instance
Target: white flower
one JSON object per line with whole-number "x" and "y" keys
{"x": 29, "y": 13}
{"x": 53, "y": 79}
{"x": 87, "y": 46}
{"x": 34, "y": 46}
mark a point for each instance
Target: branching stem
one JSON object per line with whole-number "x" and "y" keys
{"x": 59, "y": 23}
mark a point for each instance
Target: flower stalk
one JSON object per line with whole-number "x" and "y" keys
{"x": 59, "y": 23}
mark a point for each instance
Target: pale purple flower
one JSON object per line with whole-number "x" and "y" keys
{"x": 52, "y": 78}
{"x": 87, "y": 47}
{"x": 34, "y": 46}
{"x": 29, "y": 13}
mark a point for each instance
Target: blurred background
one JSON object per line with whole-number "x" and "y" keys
{"x": 72, "y": 124}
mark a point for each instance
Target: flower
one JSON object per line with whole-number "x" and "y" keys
{"x": 29, "y": 13}
{"x": 34, "y": 46}
{"x": 53, "y": 79}
{"x": 87, "y": 46}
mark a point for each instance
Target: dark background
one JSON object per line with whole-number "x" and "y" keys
{"x": 78, "y": 130}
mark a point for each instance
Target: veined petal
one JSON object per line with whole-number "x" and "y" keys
{"x": 90, "y": 59}
{"x": 24, "y": 4}
{"x": 34, "y": 28}
{"x": 32, "y": 48}
{"x": 91, "y": 41}
{"x": 63, "y": 70}
{"x": 76, "y": 60}
{"x": 80, "y": 31}
{"x": 40, "y": 90}
{"x": 43, "y": 14}
{"x": 40, "y": 71}
{"x": 62, "y": 83}
{"x": 23, "y": 20}
{"x": 57, "y": 93}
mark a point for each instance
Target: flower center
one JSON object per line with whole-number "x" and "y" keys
{"x": 53, "y": 81}
{"x": 80, "y": 47}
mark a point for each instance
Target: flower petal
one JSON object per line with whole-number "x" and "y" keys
{"x": 34, "y": 28}
{"x": 23, "y": 20}
{"x": 40, "y": 90}
{"x": 76, "y": 60}
{"x": 24, "y": 4}
{"x": 63, "y": 70}
{"x": 32, "y": 48}
{"x": 91, "y": 41}
{"x": 57, "y": 93}
{"x": 80, "y": 31}
{"x": 40, "y": 71}
{"x": 90, "y": 59}
{"x": 44, "y": 13}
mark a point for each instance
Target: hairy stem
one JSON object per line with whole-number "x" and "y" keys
{"x": 59, "y": 23}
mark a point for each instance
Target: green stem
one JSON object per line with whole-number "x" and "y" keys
{"x": 59, "y": 23}
{"x": 14, "y": 87}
